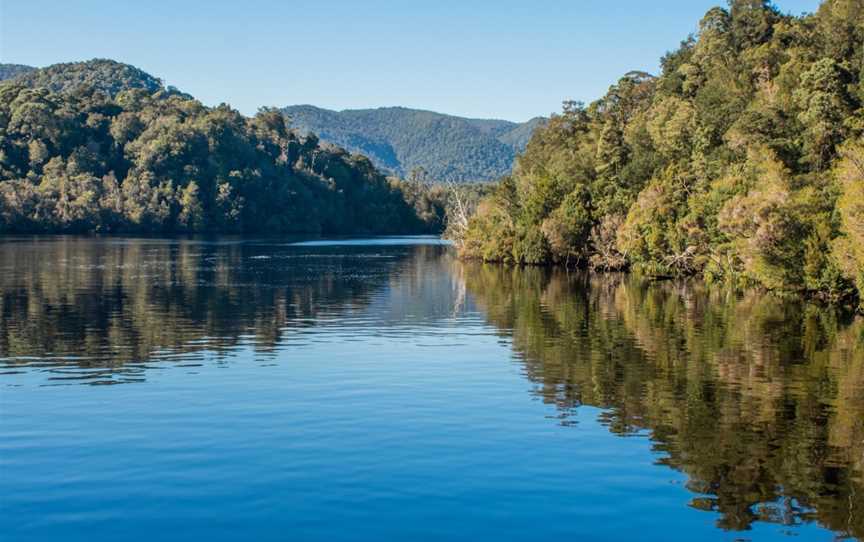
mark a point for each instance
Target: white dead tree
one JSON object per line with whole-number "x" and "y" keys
{"x": 458, "y": 214}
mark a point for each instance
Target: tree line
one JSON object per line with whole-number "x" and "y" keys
{"x": 100, "y": 146}
{"x": 742, "y": 161}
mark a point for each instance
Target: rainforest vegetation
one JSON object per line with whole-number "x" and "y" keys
{"x": 742, "y": 161}
{"x": 101, "y": 146}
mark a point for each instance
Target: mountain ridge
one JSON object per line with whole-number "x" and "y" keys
{"x": 100, "y": 74}
{"x": 398, "y": 140}
{"x": 401, "y": 139}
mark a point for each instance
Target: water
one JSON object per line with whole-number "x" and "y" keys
{"x": 382, "y": 390}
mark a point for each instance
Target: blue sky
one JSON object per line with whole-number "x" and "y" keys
{"x": 481, "y": 58}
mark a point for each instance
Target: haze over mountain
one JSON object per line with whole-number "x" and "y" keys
{"x": 399, "y": 140}
{"x": 8, "y": 71}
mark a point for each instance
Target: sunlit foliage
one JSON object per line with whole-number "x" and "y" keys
{"x": 103, "y": 147}
{"x": 741, "y": 161}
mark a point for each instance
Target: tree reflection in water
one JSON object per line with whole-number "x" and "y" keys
{"x": 758, "y": 400}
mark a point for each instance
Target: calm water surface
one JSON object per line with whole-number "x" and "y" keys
{"x": 381, "y": 390}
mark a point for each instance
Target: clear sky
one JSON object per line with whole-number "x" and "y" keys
{"x": 480, "y": 58}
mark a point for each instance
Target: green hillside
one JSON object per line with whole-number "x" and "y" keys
{"x": 742, "y": 161}
{"x": 102, "y": 146}
{"x": 399, "y": 140}
{"x": 108, "y": 76}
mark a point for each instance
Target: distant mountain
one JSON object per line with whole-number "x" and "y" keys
{"x": 108, "y": 76}
{"x": 8, "y": 71}
{"x": 399, "y": 140}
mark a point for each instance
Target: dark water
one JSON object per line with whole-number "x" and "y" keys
{"x": 258, "y": 390}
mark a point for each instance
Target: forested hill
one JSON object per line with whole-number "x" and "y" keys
{"x": 400, "y": 140}
{"x": 8, "y": 71}
{"x": 742, "y": 161}
{"x": 108, "y": 76}
{"x": 103, "y": 146}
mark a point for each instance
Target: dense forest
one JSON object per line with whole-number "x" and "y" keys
{"x": 101, "y": 146}
{"x": 106, "y": 76}
{"x": 742, "y": 161}
{"x": 399, "y": 140}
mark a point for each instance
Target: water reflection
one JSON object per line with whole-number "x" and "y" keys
{"x": 114, "y": 307}
{"x": 760, "y": 401}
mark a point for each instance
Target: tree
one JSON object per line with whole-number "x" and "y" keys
{"x": 849, "y": 249}
{"x": 191, "y": 216}
{"x": 824, "y": 105}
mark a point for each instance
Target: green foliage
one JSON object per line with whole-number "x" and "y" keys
{"x": 849, "y": 247}
{"x": 654, "y": 236}
{"x": 736, "y": 162}
{"x": 102, "y": 75}
{"x": 101, "y": 146}
{"x": 399, "y": 140}
{"x": 492, "y": 234}
{"x": 824, "y": 106}
{"x": 530, "y": 246}
{"x": 568, "y": 226}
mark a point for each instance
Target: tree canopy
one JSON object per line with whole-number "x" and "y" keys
{"x": 101, "y": 146}
{"x": 743, "y": 160}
